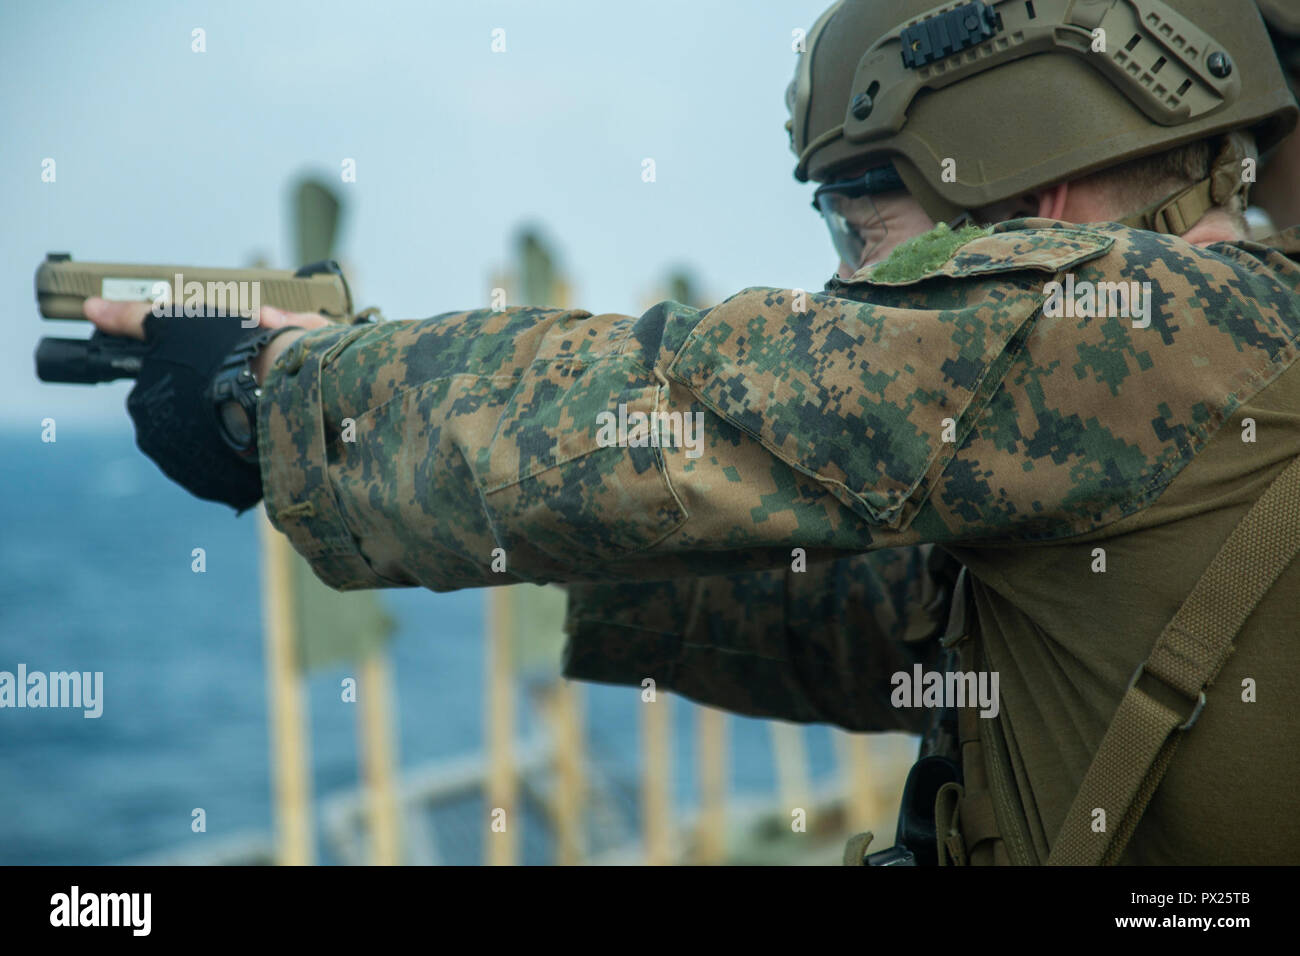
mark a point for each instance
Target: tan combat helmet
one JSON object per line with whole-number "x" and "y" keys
{"x": 1022, "y": 94}
{"x": 1282, "y": 15}
{"x": 1283, "y": 19}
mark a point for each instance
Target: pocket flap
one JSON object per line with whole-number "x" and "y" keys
{"x": 944, "y": 254}
{"x": 871, "y": 401}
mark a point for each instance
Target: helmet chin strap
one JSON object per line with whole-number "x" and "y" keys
{"x": 1177, "y": 214}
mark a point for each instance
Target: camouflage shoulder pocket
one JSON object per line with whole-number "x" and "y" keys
{"x": 873, "y": 400}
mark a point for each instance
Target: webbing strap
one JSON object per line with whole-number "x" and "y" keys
{"x": 1175, "y": 215}
{"x": 855, "y": 850}
{"x": 1143, "y": 734}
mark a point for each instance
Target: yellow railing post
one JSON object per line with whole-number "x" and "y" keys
{"x": 502, "y": 785}
{"x": 374, "y": 726}
{"x": 711, "y": 832}
{"x": 286, "y": 704}
{"x": 656, "y": 780}
{"x": 861, "y": 806}
{"x": 565, "y": 712}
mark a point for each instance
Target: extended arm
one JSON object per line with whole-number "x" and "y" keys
{"x": 409, "y": 453}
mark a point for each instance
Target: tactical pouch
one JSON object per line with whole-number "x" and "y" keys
{"x": 958, "y": 804}
{"x": 972, "y": 831}
{"x": 915, "y": 840}
{"x": 948, "y": 815}
{"x": 950, "y": 845}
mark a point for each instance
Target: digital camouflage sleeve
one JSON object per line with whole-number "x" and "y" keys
{"x": 931, "y": 398}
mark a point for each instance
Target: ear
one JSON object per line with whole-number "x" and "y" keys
{"x": 1052, "y": 201}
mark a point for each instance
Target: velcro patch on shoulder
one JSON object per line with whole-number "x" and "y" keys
{"x": 972, "y": 252}
{"x": 922, "y": 255}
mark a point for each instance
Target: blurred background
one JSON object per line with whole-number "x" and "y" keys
{"x": 498, "y": 144}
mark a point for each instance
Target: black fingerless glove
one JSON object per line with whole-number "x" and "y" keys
{"x": 175, "y": 419}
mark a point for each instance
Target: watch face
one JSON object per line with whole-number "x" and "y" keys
{"x": 235, "y": 423}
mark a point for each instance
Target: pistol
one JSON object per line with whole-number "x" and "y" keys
{"x": 62, "y": 285}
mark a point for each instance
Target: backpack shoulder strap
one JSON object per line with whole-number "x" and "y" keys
{"x": 1143, "y": 734}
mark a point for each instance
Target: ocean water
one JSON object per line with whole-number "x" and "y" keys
{"x": 95, "y": 575}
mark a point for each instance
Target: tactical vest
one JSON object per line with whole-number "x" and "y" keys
{"x": 979, "y": 819}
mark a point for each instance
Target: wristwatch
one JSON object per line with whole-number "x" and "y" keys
{"x": 234, "y": 393}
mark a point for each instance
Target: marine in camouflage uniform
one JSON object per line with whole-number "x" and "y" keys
{"x": 924, "y": 412}
{"x": 823, "y": 431}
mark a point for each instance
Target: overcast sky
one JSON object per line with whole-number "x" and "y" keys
{"x": 169, "y": 156}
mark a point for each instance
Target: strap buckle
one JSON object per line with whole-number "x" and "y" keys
{"x": 959, "y": 612}
{"x": 1196, "y": 711}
